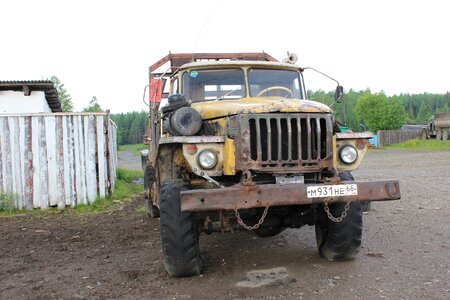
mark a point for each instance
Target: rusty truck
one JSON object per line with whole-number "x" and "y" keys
{"x": 237, "y": 145}
{"x": 440, "y": 126}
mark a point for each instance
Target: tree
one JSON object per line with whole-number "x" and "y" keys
{"x": 93, "y": 106}
{"x": 63, "y": 95}
{"x": 424, "y": 113}
{"x": 131, "y": 127}
{"x": 380, "y": 113}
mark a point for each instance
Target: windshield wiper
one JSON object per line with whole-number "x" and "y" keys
{"x": 227, "y": 94}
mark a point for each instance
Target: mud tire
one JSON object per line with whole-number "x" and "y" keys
{"x": 178, "y": 235}
{"x": 340, "y": 241}
{"x": 445, "y": 134}
{"x": 149, "y": 178}
{"x": 366, "y": 206}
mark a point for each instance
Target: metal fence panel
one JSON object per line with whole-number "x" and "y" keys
{"x": 56, "y": 160}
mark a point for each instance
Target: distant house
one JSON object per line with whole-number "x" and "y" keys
{"x": 28, "y": 97}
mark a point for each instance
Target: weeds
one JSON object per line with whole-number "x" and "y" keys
{"x": 422, "y": 145}
{"x": 7, "y": 204}
{"x": 124, "y": 189}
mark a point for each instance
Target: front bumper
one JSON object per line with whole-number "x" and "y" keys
{"x": 251, "y": 196}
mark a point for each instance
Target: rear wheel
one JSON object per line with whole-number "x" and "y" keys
{"x": 445, "y": 134}
{"x": 149, "y": 180}
{"x": 424, "y": 135}
{"x": 178, "y": 234}
{"x": 438, "y": 134}
{"x": 366, "y": 206}
{"x": 342, "y": 240}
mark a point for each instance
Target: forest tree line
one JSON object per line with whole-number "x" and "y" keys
{"x": 363, "y": 110}
{"x": 359, "y": 110}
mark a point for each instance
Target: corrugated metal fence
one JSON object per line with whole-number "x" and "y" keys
{"x": 388, "y": 137}
{"x": 56, "y": 159}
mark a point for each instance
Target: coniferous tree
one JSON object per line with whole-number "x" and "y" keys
{"x": 63, "y": 95}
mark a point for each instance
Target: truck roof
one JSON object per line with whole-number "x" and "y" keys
{"x": 178, "y": 59}
{"x": 238, "y": 63}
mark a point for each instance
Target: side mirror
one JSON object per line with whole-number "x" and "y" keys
{"x": 339, "y": 93}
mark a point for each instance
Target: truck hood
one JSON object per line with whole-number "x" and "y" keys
{"x": 223, "y": 108}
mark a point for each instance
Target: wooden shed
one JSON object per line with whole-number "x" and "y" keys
{"x": 56, "y": 159}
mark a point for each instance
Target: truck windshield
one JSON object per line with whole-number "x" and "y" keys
{"x": 210, "y": 84}
{"x": 269, "y": 82}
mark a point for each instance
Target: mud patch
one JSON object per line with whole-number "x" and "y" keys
{"x": 259, "y": 278}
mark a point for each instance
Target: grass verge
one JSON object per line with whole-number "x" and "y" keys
{"x": 6, "y": 204}
{"x": 135, "y": 147}
{"x": 422, "y": 145}
{"x": 124, "y": 189}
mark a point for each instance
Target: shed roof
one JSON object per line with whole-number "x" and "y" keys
{"x": 28, "y": 86}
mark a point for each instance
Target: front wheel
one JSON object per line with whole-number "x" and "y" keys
{"x": 337, "y": 241}
{"x": 178, "y": 235}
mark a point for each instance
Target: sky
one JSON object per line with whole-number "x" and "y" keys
{"x": 104, "y": 48}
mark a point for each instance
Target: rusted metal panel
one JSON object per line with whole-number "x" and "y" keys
{"x": 285, "y": 143}
{"x": 192, "y": 139}
{"x": 179, "y": 59}
{"x": 56, "y": 160}
{"x": 252, "y": 196}
{"x": 354, "y": 135}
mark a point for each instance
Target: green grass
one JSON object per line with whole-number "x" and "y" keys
{"x": 124, "y": 190}
{"x": 135, "y": 147}
{"x": 6, "y": 204}
{"x": 422, "y": 145}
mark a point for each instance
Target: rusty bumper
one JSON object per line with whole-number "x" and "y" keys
{"x": 252, "y": 196}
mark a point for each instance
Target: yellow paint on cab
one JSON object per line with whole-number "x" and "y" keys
{"x": 223, "y": 108}
{"x": 229, "y": 158}
{"x": 335, "y": 158}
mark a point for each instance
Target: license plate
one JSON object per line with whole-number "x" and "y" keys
{"x": 321, "y": 191}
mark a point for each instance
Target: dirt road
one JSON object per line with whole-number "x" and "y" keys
{"x": 405, "y": 254}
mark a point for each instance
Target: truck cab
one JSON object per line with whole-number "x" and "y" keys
{"x": 238, "y": 146}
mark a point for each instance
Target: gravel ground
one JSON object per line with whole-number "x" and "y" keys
{"x": 117, "y": 254}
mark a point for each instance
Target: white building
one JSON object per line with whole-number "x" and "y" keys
{"x": 28, "y": 97}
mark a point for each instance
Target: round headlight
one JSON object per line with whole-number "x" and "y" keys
{"x": 207, "y": 159}
{"x": 348, "y": 154}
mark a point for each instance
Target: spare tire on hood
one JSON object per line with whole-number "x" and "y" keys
{"x": 185, "y": 121}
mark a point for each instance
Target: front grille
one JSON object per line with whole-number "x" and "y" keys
{"x": 286, "y": 141}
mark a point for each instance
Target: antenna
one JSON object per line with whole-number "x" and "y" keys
{"x": 203, "y": 27}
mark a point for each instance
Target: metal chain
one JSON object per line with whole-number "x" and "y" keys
{"x": 256, "y": 226}
{"x": 339, "y": 219}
